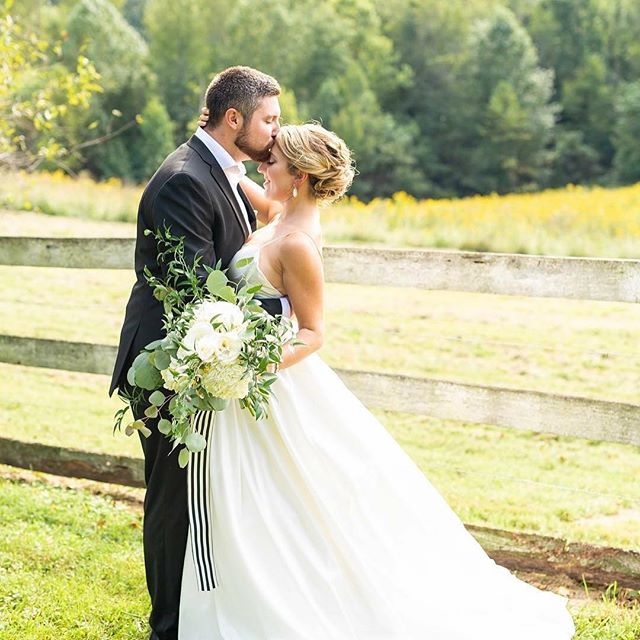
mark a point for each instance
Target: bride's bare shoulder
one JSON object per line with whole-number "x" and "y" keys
{"x": 299, "y": 244}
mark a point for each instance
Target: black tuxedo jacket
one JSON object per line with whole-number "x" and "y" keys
{"x": 190, "y": 194}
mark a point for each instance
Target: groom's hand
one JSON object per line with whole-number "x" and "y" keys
{"x": 204, "y": 117}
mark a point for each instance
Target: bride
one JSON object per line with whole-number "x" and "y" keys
{"x": 322, "y": 527}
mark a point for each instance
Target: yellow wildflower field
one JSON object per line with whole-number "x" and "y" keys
{"x": 571, "y": 221}
{"x": 587, "y": 221}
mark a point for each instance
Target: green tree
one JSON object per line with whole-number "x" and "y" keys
{"x": 382, "y": 147}
{"x": 185, "y": 37}
{"x": 627, "y": 134}
{"x": 565, "y": 33}
{"x": 432, "y": 38}
{"x": 588, "y": 106}
{"x": 154, "y": 140}
{"x": 515, "y": 118}
{"x": 342, "y": 69}
{"x": 573, "y": 160}
{"x": 38, "y": 95}
{"x": 97, "y": 28}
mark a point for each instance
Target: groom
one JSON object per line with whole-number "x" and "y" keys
{"x": 196, "y": 193}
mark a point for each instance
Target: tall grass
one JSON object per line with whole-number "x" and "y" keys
{"x": 571, "y": 221}
{"x": 57, "y": 194}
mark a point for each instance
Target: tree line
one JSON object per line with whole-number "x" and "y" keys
{"x": 435, "y": 97}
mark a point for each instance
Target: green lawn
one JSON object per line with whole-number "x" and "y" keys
{"x": 71, "y": 561}
{"x": 71, "y": 568}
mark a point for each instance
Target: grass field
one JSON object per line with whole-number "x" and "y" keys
{"x": 579, "y": 490}
{"x": 71, "y": 568}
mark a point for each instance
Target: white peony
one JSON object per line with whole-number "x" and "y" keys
{"x": 196, "y": 331}
{"x": 207, "y": 347}
{"x": 229, "y": 346}
{"x": 228, "y": 314}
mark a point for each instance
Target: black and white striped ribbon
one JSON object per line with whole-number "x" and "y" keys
{"x": 199, "y": 503}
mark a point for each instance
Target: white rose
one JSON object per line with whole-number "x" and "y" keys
{"x": 225, "y": 312}
{"x": 207, "y": 347}
{"x": 196, "y": 331}
{"x": 204, "y": 312}
{"x": 229, "y": 346}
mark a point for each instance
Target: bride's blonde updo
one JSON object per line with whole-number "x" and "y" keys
{"x": 322, "y": 155}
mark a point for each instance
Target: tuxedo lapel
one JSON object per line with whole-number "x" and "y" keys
{"x": 250, "y": 210}
{"x": 219, "y": 176}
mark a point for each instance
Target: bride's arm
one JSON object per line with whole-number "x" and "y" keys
{"x": 303, "y": 279}
{"x": 266, "y": 209}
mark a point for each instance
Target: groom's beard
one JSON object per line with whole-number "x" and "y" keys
{"x": 255, "y": 153}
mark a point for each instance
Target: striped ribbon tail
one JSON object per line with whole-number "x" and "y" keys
{"x": 199, "y": 503}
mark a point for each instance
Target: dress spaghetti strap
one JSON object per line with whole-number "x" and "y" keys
{"x": 286, "y": 235}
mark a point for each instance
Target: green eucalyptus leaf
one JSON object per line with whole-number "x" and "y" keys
{"x": 244, "y": 262}
{"x": 226, "y": 293}
{"x": 200, "y": 403}
{"x": 151, "y": 412}
{"x": 217, "y": 404}
{"x": 141, "y": 359}
{"x": 195, "y": 442}
{"x": 152, "y": 345}
{"x": 216, "y": 280}
{"x": 160, "y": 293}
{"x": 254, "y": 289}
{"x": 164, "y": 426}
{"x": 145, "y": 431}
{"x": 183, "y": 458}
{"x": 148, "y": 377}
{"x": 131, "y": 376}
{"x": 157, "y": 398}
{"x": 254, "y": 306}
{"x": 161, "y": 359}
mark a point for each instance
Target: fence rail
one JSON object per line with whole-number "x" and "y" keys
{"x": 531, "y": 410}
{"x": 498, "y": 273}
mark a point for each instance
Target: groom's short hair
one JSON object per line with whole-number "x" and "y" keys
{"x": 240, "y": 88}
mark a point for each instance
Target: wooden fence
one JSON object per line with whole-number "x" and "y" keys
{"x": 507, "y": 274}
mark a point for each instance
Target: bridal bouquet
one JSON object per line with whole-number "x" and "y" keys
{"x": 220, "y": 345}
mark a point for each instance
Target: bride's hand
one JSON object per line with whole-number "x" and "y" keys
{"x": 204, "y": 117}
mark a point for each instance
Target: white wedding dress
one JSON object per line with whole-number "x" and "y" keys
{"x": 324, "y": 529}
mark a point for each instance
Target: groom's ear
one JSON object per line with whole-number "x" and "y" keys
{"x": 233, "y": 119}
